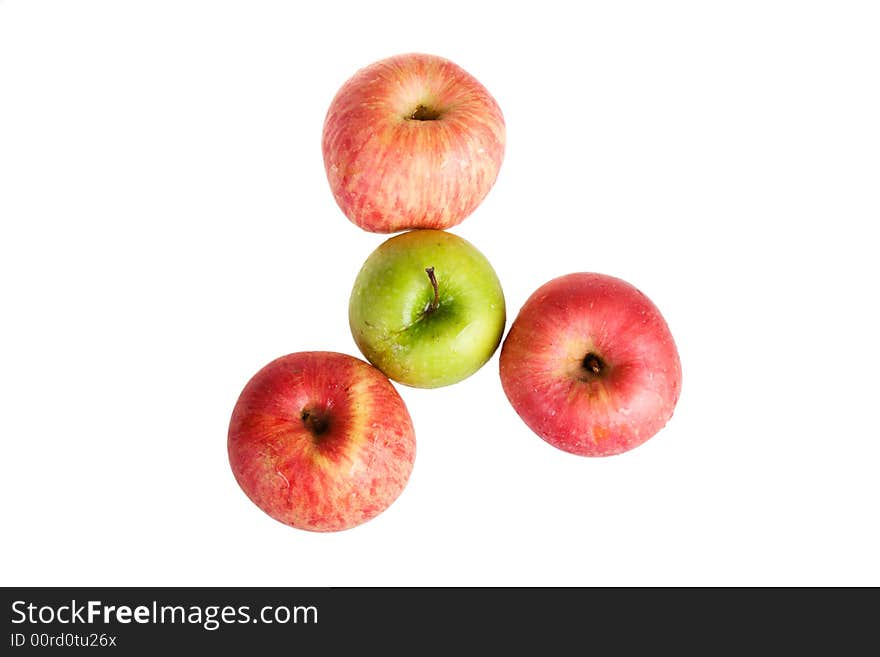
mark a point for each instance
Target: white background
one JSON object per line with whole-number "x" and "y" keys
{"x": 167, "y": 229}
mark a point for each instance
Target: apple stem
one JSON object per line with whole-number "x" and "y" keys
{"x": 424, "y": 113}
{"x": 314, "y": 422}
{"x": 435, "y": 302}
{"x": 593, "y": 363}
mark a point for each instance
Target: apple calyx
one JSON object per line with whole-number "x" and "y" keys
{"x": 424, "y": 113}
{"x": 593, "y": 365}
{"x": 435, "y": 302}
{"x": 316, "y": 423}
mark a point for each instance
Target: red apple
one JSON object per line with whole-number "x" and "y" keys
{"x": 590, "y": 366}
{"x": 321, "y": 441}
{"x": 412, "y": 141}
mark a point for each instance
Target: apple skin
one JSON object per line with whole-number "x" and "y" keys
{"x": 412, "y": 141}
{"x": 590, "y": 366}
{"x": 321, "y": 441}
{"x": 390, "y": 316}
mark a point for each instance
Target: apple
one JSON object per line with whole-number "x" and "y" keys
{"x": 590, "y": 366}
{"x": 427, "y": 309}
{"x": 321, "y": 441}
{"x": 412, "y": 141}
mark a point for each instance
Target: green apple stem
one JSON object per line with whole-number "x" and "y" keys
{"x": 436, "y": 301}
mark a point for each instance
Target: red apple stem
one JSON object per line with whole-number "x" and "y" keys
{"x": 435, "y": 303}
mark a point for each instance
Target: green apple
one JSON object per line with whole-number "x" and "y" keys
{"x": 427, "y": 309}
